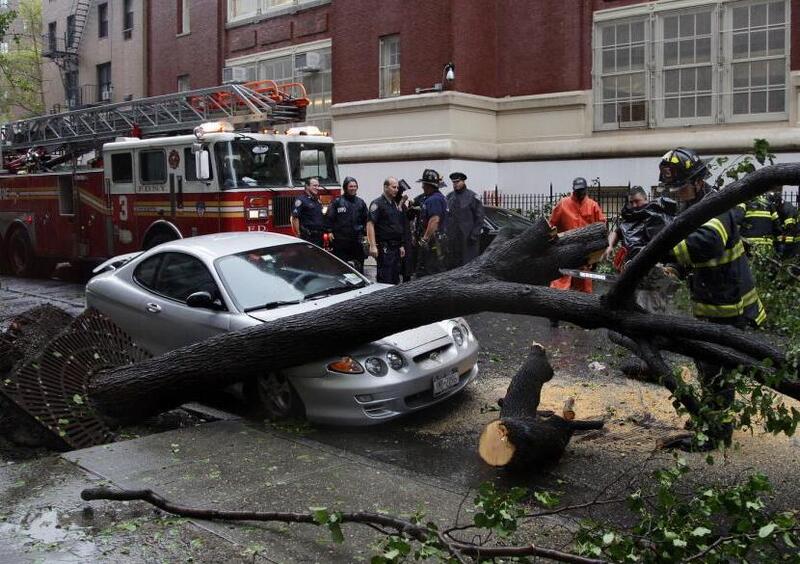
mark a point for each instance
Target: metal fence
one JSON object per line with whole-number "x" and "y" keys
{"x": 611, "y": 200}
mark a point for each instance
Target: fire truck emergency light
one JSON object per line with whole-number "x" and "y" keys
{"x": 305, "y": 130}
{"x": 213, "y": 127}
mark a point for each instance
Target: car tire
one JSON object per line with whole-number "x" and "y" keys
{"x": 273, "y": 397}
{"x": 19, "y": 254}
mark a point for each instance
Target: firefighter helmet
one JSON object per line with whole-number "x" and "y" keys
{"x": 681, "y": 166}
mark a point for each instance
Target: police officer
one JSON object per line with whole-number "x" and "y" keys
{"x": 433, "y": 218}
{"x": 721, "y": 286}
{"x": 346, "y": 221}
{"x": 464, "y": 222}
{"x": 307, "y": 220}
{"x": 385, "y": 229}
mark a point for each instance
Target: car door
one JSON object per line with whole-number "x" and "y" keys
{"x": 167, "y": 322}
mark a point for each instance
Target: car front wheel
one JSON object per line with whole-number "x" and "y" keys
{"x": 272, "y": 396}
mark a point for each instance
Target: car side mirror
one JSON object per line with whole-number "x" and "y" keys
{"x": 202, "y": 165}
{"x": 202, "y": 300}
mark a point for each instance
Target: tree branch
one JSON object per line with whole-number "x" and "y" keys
{"x": 417, "y": 532}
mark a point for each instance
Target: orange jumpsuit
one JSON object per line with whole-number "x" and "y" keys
{"x": 571, "y": 214}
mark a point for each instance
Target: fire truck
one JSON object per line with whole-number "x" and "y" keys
{"x": 85, "y": 185}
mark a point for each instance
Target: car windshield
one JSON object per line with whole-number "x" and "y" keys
{"x": 505, "y": 218}
{"x": 244, "y": 163}
{"x": 312, "y": 159}
{"x": 286, "y": 274}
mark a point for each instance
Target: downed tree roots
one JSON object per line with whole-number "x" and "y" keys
{"x": 412, "y": 530}
{"x": 522, "y": 437}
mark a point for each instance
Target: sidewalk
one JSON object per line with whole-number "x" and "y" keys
{"x": 225, "y": 465}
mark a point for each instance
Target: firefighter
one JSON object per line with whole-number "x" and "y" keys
{"x": 464, "y": 222}
{"x": 433, "y": 222}
{"x": 721, "y": 284}
{"x": 307, "y": 220}
{"x": 385, "y": 230}
{"x": 758, "y": 223}
{"x": 346, "y": 223}
{"x": 787, "y": 243}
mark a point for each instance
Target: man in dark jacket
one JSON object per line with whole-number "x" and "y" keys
{"x": 433, "y": 221}
{"x": 758, "y": 222}
{"x": 787, "y": 243}
{"x": 464, "y": 222}
{"x": 721, "y": 286}
{"x": 346, "y": 222}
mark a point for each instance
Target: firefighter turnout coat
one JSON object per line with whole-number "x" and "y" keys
{"x": 721, "y": 284}
{"x": 758, "y": 223}
{"x": 788, "y": 243}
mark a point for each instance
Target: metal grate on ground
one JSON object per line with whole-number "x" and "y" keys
{"x": 52, "y": 386}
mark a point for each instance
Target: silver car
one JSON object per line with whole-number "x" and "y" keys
{"x": 189, "y": 290}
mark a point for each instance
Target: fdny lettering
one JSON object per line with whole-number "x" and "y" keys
{"x": 5, "y": 193}
{"x": 256, "y": 227}
{"x": 342, "y": 209}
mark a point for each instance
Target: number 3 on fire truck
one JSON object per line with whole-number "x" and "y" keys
{"x": 123, "y": 208}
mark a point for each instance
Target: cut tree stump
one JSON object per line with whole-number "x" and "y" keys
{"x": 522, "y": 437}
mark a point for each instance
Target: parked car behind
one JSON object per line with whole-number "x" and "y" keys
{"x": 191, "y": 289}
{"x": 497, "y": 218}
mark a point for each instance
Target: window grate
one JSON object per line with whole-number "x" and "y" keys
{"x": 282, "y": 210}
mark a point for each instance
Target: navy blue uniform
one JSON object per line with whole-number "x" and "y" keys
{"x": 431, "y": 255}
{"x": 309, "y": 211}
{"x": 388, "y": 220}
{"x": 347, "y": 220}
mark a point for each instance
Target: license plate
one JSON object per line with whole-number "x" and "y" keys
{"x": 443, "y": 382}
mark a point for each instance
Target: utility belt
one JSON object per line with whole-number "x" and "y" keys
{"x": 391, "y": 244}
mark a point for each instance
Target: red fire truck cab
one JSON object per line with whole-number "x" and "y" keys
{"x": 143, "y": 192}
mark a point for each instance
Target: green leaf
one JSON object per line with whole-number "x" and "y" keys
{"x": 320, "y": 515}
{"x": 336, "y": 533}
{"x": 679, "y": 543}
{"x": 77, "y": 399}
{"x": 608, "y": 538}
{"x": 766, "y": 530}
{"x": 701, "y": 532}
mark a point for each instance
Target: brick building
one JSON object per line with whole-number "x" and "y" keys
{"x": 543, "y": 91}
{"x": 95, "y": 52}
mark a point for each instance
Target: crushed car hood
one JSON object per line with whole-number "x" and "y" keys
{"x": 404, "y": 341}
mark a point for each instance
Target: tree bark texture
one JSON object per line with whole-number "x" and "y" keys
{"x": 522, "y": 437}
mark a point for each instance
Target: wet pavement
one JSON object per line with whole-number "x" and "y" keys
{"x": 425, "y": 461}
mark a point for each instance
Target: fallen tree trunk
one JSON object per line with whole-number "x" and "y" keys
{"x": 522, "y": 437}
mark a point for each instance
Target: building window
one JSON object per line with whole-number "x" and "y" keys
{"x": 712, "y": 64}
{"x": 70, "y": 30}
{"x": 52, "y": 33}
{"x": 72, "y": 89}
{"x": 389, "y": 66}
{"x": 311, "y": 68}
{"x": 102, "y": 20}
{"x": 183, "y": 17}
{"x": 127, "y": 19}
{"x": 183, "y": 83}
{"x": 3, "y": 47}
{"x": 104, "y": 86}
{"x": 242, "y": 9}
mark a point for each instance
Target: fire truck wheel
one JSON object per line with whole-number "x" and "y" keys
{"x": 272, "y": 396}
{"x": 21, "y": 259}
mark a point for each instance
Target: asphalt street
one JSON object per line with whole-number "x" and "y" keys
{"x": 429, "y": 455}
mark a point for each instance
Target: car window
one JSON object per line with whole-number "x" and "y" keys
{"x": 181, "y": 275}
{"x": 505, "y": 218}
{"x": 145, "y": 273}
{"x": 295, "y": 272}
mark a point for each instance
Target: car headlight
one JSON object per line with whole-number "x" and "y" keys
{"x": 346, "y": 365}
{"x": 395, "y": 360}
{"x": 376, "y": 366}
{"x": 458, "y": 336}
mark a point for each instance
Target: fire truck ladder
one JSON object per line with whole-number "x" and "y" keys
{"x": 266, "y": 104}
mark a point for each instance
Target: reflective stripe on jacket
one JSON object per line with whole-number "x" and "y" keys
{"x": 758, "y": 223}
{"x": 721, "y": 283}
